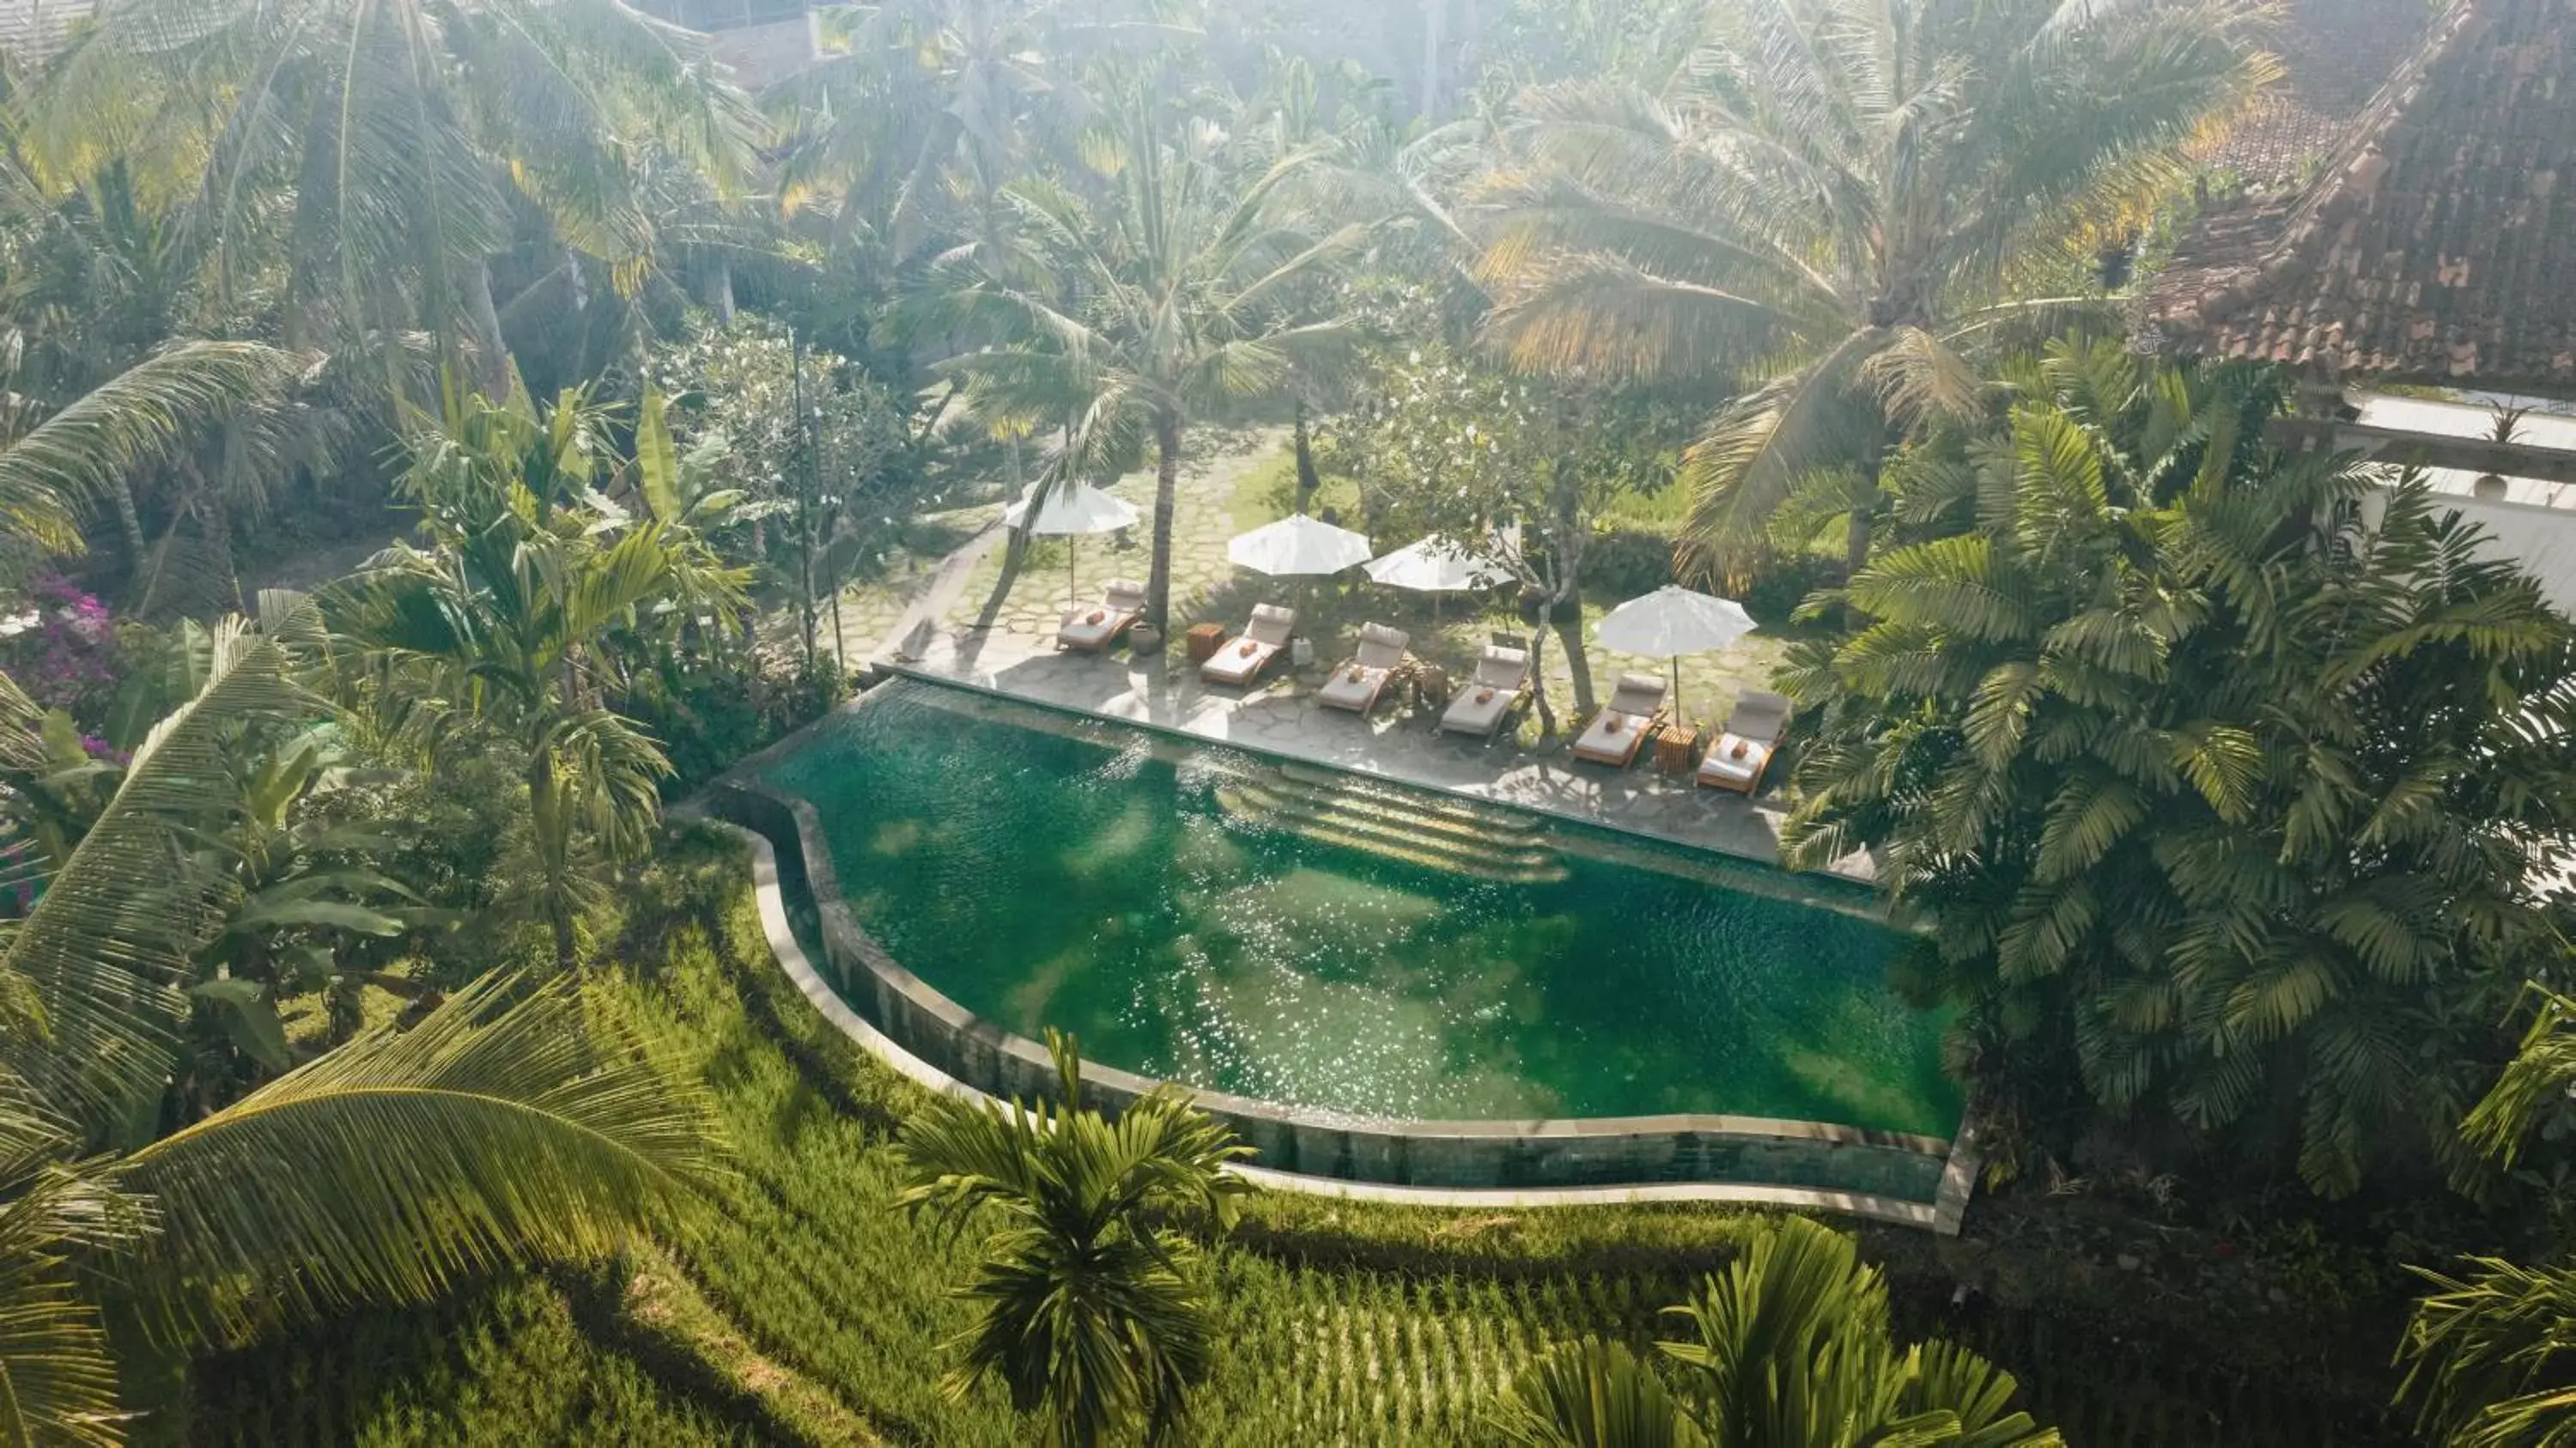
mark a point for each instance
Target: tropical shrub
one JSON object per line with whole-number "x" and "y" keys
{"x": 1791, "y": 1347}
{"x": 2221, "y": 783}
{"x": 538, "y": 599}
{"x": 1089, "y": 1313}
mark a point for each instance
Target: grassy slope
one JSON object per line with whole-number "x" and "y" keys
{"x": 801, "y": 1309}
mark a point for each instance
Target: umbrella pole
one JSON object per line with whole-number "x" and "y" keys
{"x": 1072, "y": 545}
{"x": 1677, "y": 691}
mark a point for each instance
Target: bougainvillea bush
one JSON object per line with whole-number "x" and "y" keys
{"x": 62, "y": 647}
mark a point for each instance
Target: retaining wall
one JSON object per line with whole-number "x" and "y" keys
{"x": 1892, "y": 1176}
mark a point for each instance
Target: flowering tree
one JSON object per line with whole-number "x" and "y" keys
{"x": 1517, "y": 471}
{"x": 834, "y": 486}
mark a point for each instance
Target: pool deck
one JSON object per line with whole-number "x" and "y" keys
{"x": 1280, "y": 717}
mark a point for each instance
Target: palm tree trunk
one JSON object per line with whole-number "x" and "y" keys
{"x": 129, "y": 524}
{"x": 1308, "y": 480}
{"x": 550, "y": 831}
{"x": 492, "y": 359}
{"x": 1856, "y": 533}
{"x": 1167, "y": 488}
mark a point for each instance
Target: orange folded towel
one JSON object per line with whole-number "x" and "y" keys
{"x": 1741, "y": 749}
{"x": 1249, "y": 648}
{"x": 1484, "y": 696}
{"x": 1358, "y": 674}
{"x": 1614, "y": 726}
{"x": 1096, "y": 616}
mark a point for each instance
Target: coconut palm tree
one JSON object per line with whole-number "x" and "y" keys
{"x": 490, "y": 1132}
{"x": 1828, "y": 200}
{"x": 408, "y": 139}
{"x": 929, "y": 98}
{"x": 1086, "y": 1305}
{"x": 498, "y": 631}
{"x": 1165, "y": 287}
{"x": 57, "y": 461}
{"x": 1790, "y": 1347}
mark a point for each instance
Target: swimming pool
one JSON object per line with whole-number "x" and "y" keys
{"x": 1306, "y": 937}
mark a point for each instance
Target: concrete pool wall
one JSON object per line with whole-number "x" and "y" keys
{"x": 1890, "y": 1176}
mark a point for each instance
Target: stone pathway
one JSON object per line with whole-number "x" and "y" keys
{"x": 1226, "y": 492}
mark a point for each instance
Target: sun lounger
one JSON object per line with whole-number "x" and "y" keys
{"x": 1356, "y": 685}
{"x": 1743, "y": 751}
{"x": 1635, "y": 708}
{"x": 1092, "y": 630}
{"x": 1240, "y": 661}
{"x": 1501, "y": 684}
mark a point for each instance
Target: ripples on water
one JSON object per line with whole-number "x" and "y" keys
{"x": 1090, "y": 880}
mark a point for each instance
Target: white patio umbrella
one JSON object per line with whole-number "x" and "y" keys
{"x": 1297, "y": 545}
{"x": 1070, "y": 512}
{"x": 1436, "y": 565}
{"x": 1673, "y": 621}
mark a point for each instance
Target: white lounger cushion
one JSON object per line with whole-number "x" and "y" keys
{"x": 1265, "y": 637}
{"x": 1121, "y": 599}
{"x": 1614, "y": 732}
{"x": 1341, "y": 691}
{"x": 1501, "y": 674}
{"x": 1081, "y": 633}
{"x": 1721, "y": 767}
{"x": 1761, "y": 716}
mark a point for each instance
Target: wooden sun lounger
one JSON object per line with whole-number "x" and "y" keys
{"x": 1239, "y": 661}
{"x": 1093, "y": 630}
{"x": 1635, "y": 710}
{"x": 1743, "y": 751}
{"x": 1499, "y": 688}
{"x": 1358, "y": 684}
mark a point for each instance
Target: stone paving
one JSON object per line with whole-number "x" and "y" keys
{"x": 1014, "y": 651}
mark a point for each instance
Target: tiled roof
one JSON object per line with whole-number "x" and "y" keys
{"x": 29, "y": 28}
{"x": 2438, "y": 244}
{"x": 2335, "y": 55}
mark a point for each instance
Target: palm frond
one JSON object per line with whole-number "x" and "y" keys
{"x": 119, "y": 924}
{"x": 134, "y": 420}
{"x": 1592, "y": 1394}
{"x": 493, "y": 1131}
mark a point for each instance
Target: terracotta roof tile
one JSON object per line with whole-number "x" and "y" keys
{"x": 2335, "y": 55}
{"x": 2438, "y": 244}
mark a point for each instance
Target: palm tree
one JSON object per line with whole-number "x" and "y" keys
{"x": 1829, "y": 199}
{"x": 2208, "y": 790}
{"x": 499, "y": 630}
{"x": 1086, "y": 1306}
{"x": 1167, "y": 290}
{"x": 408, "y": 138}
{"x": 490, "y": 1132}
{"x": 2488, "y": 1354}
{"x": 1791, "y": 1347}
{"x": 57, "y": 461}
{"x": 1593, "y": 1394}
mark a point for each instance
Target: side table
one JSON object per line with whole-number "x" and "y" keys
{"x": 1203, "y": 640}
{"x": 1675, "y": 749}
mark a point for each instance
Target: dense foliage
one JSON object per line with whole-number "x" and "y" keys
{"x": 2230, "y": 788}
{"x": 2220, "y": 789}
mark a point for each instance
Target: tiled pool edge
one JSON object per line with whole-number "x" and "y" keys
{"x": 1162, "y": 729}
{"x": 1749, "y": 1160}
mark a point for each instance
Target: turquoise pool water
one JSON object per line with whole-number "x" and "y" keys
{"x": 1192, "y": 912}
